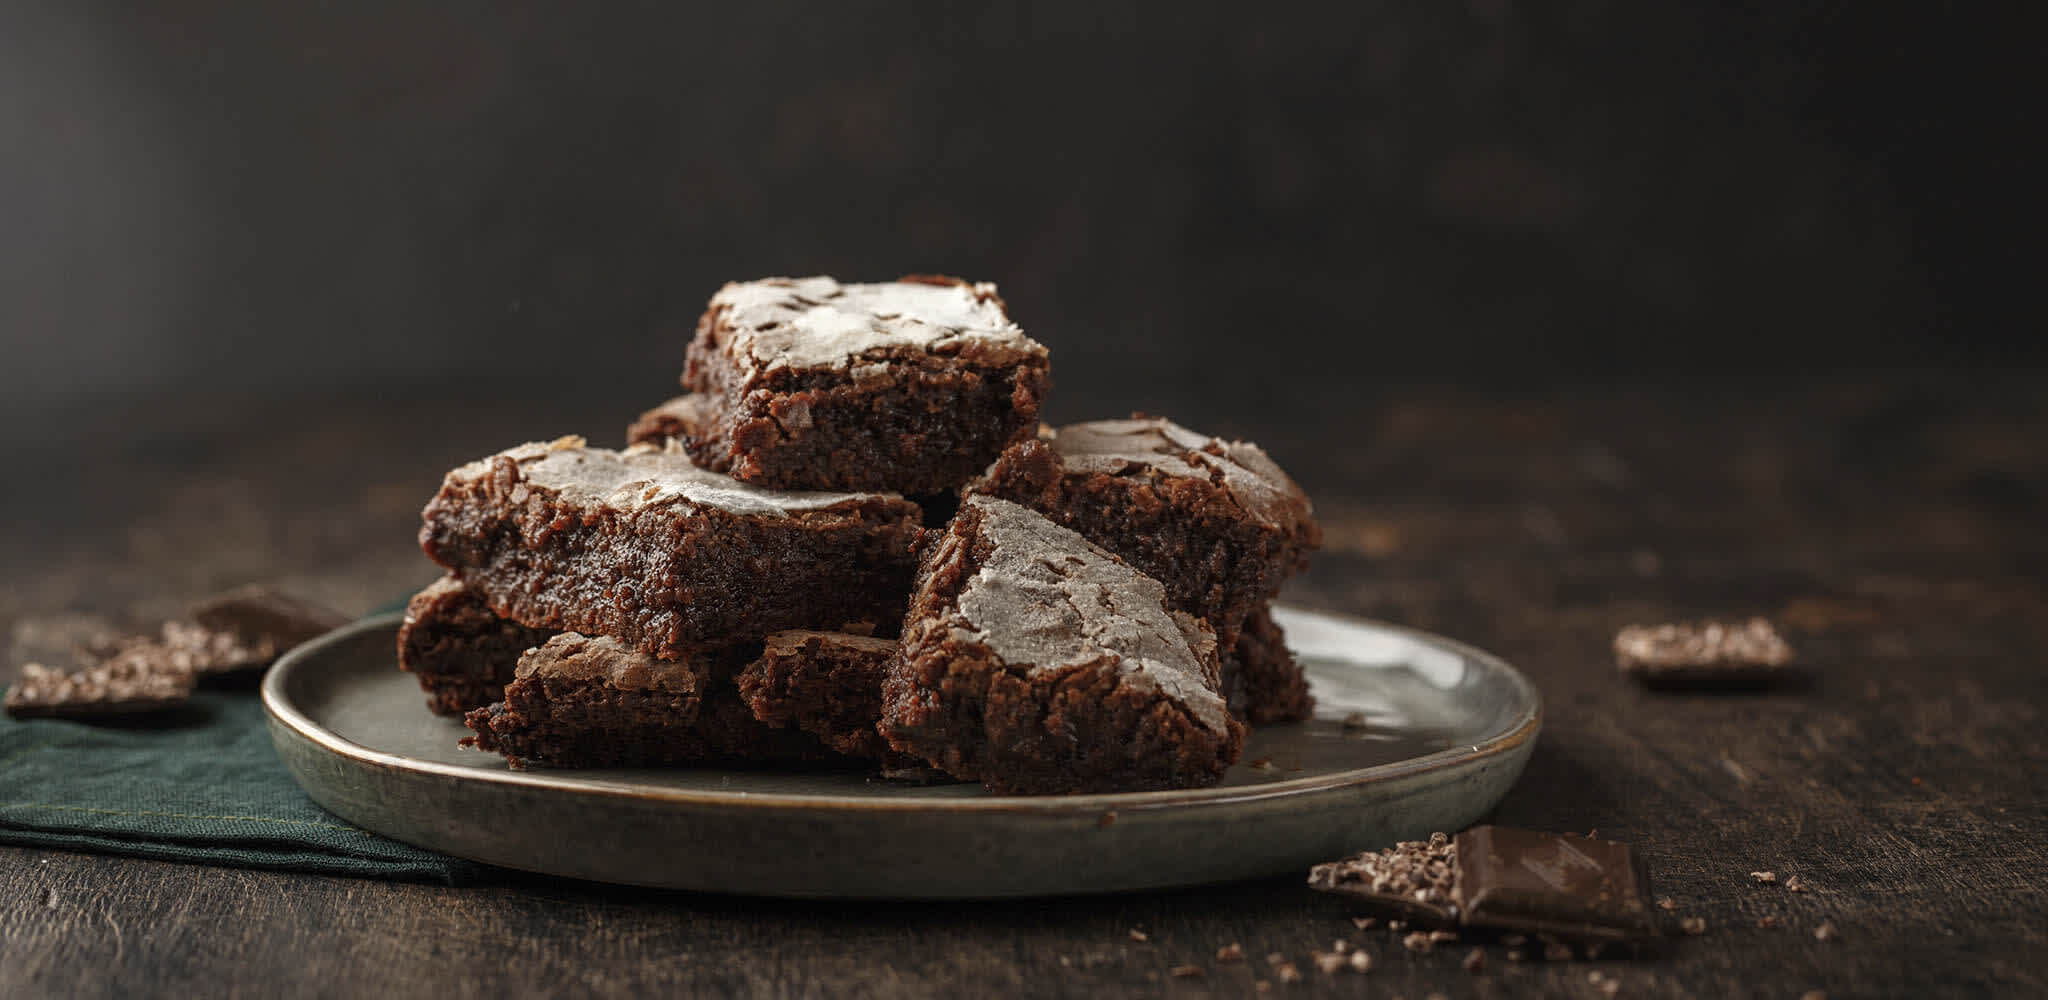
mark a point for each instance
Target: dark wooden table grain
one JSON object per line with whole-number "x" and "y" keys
{"x": 1894, "y": 525}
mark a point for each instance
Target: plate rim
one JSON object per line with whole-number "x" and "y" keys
{"x": 1523, "y": 727}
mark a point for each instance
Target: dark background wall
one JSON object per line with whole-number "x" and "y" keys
{"x": 1212, "y": 197}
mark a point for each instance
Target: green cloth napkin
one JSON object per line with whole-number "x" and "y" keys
{"x": 200, "y": 785}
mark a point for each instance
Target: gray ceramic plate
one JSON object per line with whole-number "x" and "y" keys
{"x": 1445, "y": 731}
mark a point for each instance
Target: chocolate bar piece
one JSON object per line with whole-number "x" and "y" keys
{"x": 1577, "y": 888}
{"x": 1703, "y": 654}
{"x": 1556, "y": 885}
{"x": 140, "y": 679}
{"x": 1411, "y": 880}
{"x": 250, "y": 626}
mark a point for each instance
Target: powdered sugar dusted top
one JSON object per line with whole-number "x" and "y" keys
{"x": 1048, "y": 598}
{"x": 645, "y": 475}
{"x": 820, "y": 323}
{"x": 1114, "y": 447}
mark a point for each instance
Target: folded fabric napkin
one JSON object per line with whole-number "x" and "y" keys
{"x": 201, "y": 784}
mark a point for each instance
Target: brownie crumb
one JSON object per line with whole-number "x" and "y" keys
{"x": 1262, "y": 986}
{"x": 1275, "y": 958}
{"x": 1365, "y": 923}
{"x": 1232, "y": 952}
{"x": 1419, "y": 942}
{"x": 1667, "y": 904}
{"x": 1140, "y": 936}
{"x": 1765, "y": 878}
{"x": 1794, "y": 884}
{"x": 1517, "y": 955}
{"x": 1360, "y": 961}
{"x": 1187, "y": 972}
{"x": 1341, "y": 946}
{"x": 1767, "y": 922}
{"x": 1329, "y": 962}
{"x": 1286, "y": 972}
{"x": 1475, "y": 960}
{"x": 1442, "y": 937}
{"x": 1693, "y": 925}
{"x": 1826, "y": 931}
{"x": 1107, "y": 819}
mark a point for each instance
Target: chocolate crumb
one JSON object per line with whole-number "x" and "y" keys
{"x": 1794, "y": 884}
{"x": 1765, "y": 878}
{"x": 1361, "y": 961}
{"x": 1608, "y": 987}
{"x": 1826, "y": 931}
{"x": 1107, "y": 819}
{"x": 1341, "y": 946}
{"x": 1140, "y": 936}
{"x": 1232, "y": 952}
{"x": 1667, "y": 904}
{"x": 1354, "y": 721}
{"x": 1329, "y": 962}
{"x": 1693, "y": 925}
{"x": 1767, "y": 922}
{"x": 1419, "y": 942}
{"x": 1262, "y": 986}
{"x": 1442, "y": 937}
{"x": 1475, "y": 960}
{"x": 1187, "y": 972}
{"x": 1262, "y": 764}
{"x": 1365, "y": 923}
{"x": 1517, "y": 955}
{"x": 1287, "y": 973}
{"x": 1397, "y": 926}
{"x": 1275, "y": 958}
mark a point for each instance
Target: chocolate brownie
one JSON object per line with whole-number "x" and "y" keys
{"x": 579, "y": 701}
{"x": 683, "y": 418}
{"x": 912, "y": 385}
{"x": 1261, "y": 678}
{"x": 1035, "y": 662}
{"x": 1215, "y": 521}
{"x": 462, "y": 653}
{"x": 647, "y": 548}
{"x": 828, "y": 684}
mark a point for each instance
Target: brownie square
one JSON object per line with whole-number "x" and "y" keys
{"x": 1261, "y": 679}
{"x": 582, "y": 701}
{"x": 912, "y": 385}
{"x": 649, "y": 549}
{"x": 827, "y": 684}
{"x": 1215, "y": 521}
{"x": 1035, "y": 662}
{"x": 462, "y": 652}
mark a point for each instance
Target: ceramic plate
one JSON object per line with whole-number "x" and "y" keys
{"x": 1413, "y": 733}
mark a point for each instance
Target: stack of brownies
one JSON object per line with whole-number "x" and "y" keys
{"x": 852, "y": 541}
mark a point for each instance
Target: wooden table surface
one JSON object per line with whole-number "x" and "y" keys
{"x": 1894, "y": 526}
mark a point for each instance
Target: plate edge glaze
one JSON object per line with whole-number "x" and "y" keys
{"x": 285, "y": 716}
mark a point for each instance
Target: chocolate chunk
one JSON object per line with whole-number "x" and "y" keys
{"x": 1561, "y": 884}
{"x": 1703, "y": 654}
{"x": 140, "y": 679}
{"x": 1414, "y": 879}
{"x": 246, "y": 629}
